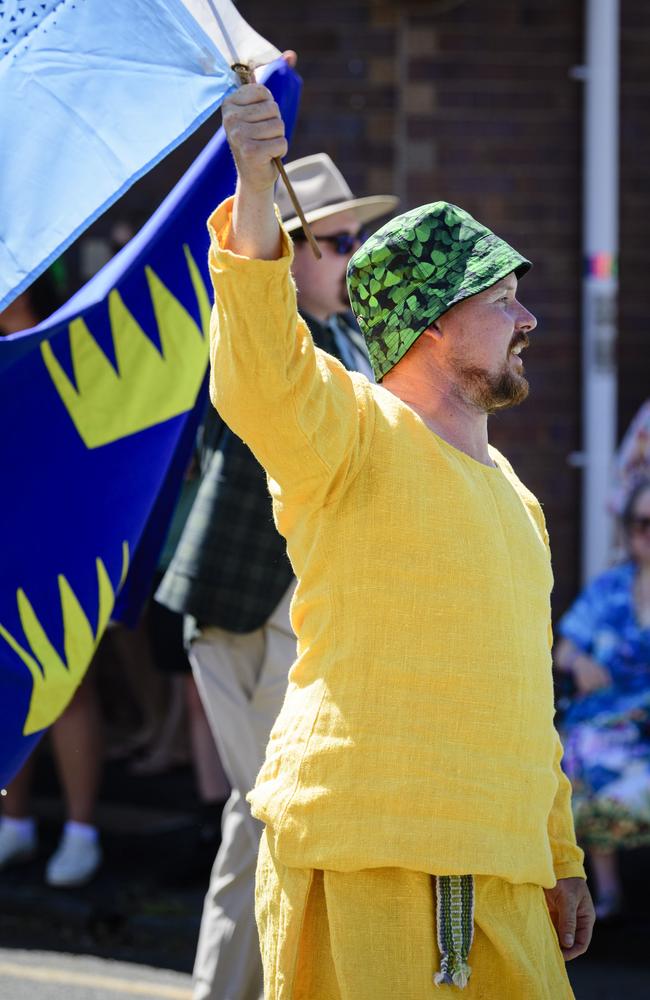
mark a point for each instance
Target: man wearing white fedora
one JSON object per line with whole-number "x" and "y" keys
{"x": 230, "y": 575}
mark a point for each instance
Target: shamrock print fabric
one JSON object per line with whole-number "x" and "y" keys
{"x": 415, "y": 268}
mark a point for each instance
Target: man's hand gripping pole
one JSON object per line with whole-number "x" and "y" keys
{"x": 246, "y": 75}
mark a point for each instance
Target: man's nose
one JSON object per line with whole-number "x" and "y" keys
{"x": 525, "y": 321}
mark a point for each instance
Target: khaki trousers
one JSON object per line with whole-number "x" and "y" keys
{"x": 242, "y": 680}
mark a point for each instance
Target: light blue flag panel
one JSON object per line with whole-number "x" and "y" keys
{"x": 99, "y": 407}
{"x": 93, "y": 93}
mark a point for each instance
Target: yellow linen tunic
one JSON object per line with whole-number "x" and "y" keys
{"x": 370, "y": 935}
{"x": 417, "y": 730}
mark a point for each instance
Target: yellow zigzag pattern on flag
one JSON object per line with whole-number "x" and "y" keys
{"x": 55, "y": 681}
{"x": 149, "y": 386}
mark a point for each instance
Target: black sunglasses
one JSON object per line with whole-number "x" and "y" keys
{"x": 638, "y": 525}
{"x": 342, "y": 243}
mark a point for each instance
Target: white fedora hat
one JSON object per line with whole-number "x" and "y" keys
{"x": 323, "y": 191}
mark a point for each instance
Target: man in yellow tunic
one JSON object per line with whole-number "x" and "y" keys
{"x": 412, "y": 790}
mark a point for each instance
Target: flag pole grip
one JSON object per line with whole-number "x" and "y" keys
{"x": 245, "y": 75}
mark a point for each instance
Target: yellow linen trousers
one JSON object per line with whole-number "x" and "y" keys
{"x": 370, "y": 935}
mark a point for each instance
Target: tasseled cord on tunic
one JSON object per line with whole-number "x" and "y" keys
{"x": 455, "y": 928}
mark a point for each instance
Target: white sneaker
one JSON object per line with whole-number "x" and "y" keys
{"x": 16, "y": 846}
{"x": 74, "y": 862}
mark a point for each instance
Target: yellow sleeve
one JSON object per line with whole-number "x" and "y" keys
{"x": 567, "y": 856}
{"x": 300, "y": 412}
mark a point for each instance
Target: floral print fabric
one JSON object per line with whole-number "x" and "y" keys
{"x": 607, "y": 733}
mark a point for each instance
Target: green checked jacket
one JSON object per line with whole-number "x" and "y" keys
{"x": 230, "y": 568}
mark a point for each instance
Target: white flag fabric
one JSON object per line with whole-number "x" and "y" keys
{"x": 93, "y": 93}
{"x": 230, "y": 33}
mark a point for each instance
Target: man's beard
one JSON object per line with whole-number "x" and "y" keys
{"x": 491, "y": 392}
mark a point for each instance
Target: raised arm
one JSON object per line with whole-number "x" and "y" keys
{"x": 302, "y": 414}
{"x": 255, "y": 132}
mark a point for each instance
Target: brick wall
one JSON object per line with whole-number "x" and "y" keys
{"x": 493, "y": 117}
{"x": 474, "y": 102}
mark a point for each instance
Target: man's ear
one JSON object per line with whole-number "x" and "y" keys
{"x": 433, "y": 331}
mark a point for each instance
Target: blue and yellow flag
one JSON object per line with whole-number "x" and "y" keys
{"x": 98, "y": 407}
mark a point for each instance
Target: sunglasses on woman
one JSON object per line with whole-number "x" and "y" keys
{"x": 342, "y": 243}
{"x": 638, "y": 525}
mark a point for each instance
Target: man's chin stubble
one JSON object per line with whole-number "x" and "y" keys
{"x": 493, "y": 393}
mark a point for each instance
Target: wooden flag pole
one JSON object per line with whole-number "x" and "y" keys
{"x": 245, "y": 75}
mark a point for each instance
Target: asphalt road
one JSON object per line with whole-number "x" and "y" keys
{"x": 599, "y": 981}
{"x": 45, "y": 975}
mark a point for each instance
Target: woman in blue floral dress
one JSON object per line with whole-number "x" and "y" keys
{"x": 605, "y": 645}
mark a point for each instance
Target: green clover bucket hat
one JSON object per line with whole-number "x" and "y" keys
{"x": 415, "y": 268}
